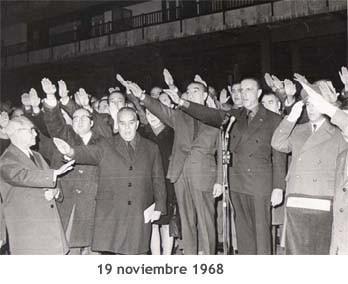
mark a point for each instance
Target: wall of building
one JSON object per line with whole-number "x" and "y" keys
{"x": 146, "y": 7}
{"x": 14, "y": 34}
{"x": 252, "y": 41}
{"x": 231, "y": 20}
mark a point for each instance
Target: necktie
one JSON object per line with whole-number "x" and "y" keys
{"x": 250, "y": 116}
{"x": 131, "y": 151}
{"x": 314, "y": 127}
{"x": 32, "y": 158}
{"x": 195, "y": 128}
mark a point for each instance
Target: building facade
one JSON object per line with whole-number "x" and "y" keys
{"x": 87, "y": 42}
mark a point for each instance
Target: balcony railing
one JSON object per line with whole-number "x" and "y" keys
{"x": 140, "y": 21}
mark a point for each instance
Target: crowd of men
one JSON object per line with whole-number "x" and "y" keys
{"x": 137, "y": 173}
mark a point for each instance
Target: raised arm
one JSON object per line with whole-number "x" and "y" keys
{"x": 15, "y": 174}
{"x": 87, "y": 155}
{"x": 281, "y": 137}
{"x": 165, "y": 114}
{"x": 55, "y": 122}
{"x": 210, "y": 116}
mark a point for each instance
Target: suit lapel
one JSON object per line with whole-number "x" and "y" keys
{"x": 239, "y": 127}
{"x": 323, "y": 134}
{"x": 254, "y": 124}
{"x": 139, "y": 150}
{"x": 37, "y": 160}
{"x": 121, "y": 148}
{"x": 93, "y": 140}
{"x": 22, "y": 157}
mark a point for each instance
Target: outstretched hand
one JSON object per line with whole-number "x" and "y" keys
{"x": 4, "y": 119}
{"x": 25, "y": 99}
{"x": 328, "y": 91}
{"x": 199, "y": 79}
{"x": 269, "y": 81}
{"x": 210, "y": 102}
{"x": 296, "y": 111}
{"x": 300, "y": 78}
{"x": 344, "y": 76}
{"x": 321, "y": 104}
{"x": 173, "y": 95}
{"x": 63, "y": 90}
{"x": 130, "y": 86}
{"x": 82, "y": 98}
{"x": 48, "y": 87}
{"x": 63, "y": 169}
{"x": 224, "y": 97}
{"x": 289, "y": 87}
{"x": 168, "y": 78}
{"x": 63, "y": 147}
{"x": 34, "y": 98}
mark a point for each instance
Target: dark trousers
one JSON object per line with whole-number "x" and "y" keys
{"x": 197, "y": 213}
{"x": 308, "y": 231}
{"x": 253, "y": 223}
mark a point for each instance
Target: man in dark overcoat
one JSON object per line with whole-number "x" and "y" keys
{"x": 130, "y": 180}
{"x": 257, "y": 173}
{"x": 192, "y": 168}
{"x": 79, "y": 187}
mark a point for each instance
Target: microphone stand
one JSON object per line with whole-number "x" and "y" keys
{"x": 226, "y": 201}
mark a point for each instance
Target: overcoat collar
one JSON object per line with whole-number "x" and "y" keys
{"x": 324, "y": 133}
{"x": 24, "y": 158}
{"x": 122, "y": 150}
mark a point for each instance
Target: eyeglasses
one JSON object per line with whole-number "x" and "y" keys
{"x": 82, "y": 117}
{"x": 32, "y": 129}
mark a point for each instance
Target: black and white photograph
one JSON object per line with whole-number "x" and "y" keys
{"x": 165, "y": 139}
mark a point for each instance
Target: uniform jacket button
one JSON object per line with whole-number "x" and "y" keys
{"x": 344, "y": 189}
{"x": 130, "y": 168}
{"x": 129, "y": 202}
{"x": 52, "y": 206}
{"x": 129, "y": 184}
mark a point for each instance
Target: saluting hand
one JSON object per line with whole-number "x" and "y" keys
{"x": 168, "y": 78}
{"x": 296, "y": 111}
{"x": 344, "y": 77}
{"x": 199, "y": 79}
{"x": 173, "y": 95}
{"x": 63, "y": 147}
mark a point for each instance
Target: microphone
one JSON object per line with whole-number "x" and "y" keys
{"x": 232, "y": 120}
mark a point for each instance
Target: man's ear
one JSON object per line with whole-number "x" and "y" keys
{"x": 92, "y": 123}
{"x": 259, "y": 93}
{"x": 137, "y": 124}
{"x": 205, "y": 95}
